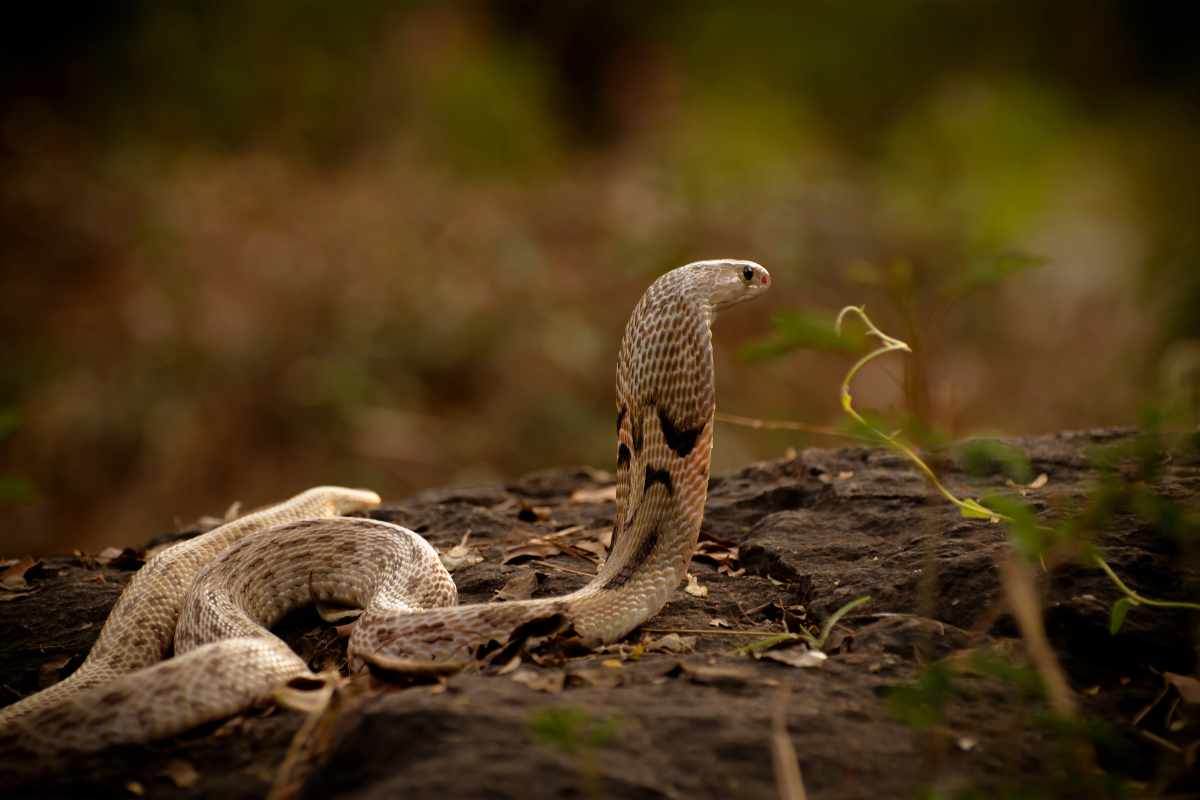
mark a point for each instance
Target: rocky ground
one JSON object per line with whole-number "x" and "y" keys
{"x": 923, "y": 687}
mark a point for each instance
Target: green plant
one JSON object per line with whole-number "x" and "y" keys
{"x": 13, "y": 488}
{"x": 1030, "y": 537}
{"x": 922, "y": 703}
{"x": 576, "y": 733}
{"x": 815, "y": 641}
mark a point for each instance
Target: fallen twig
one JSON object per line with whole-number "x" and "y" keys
{"x": 710, "y": 631}
{"x": 780, "y": 425}
{"x": 789, "y": 783}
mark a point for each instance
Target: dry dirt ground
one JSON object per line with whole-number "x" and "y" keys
{"x": 789, "y": 542}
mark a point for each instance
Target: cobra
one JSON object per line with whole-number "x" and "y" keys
{"x": 206, "y": 605}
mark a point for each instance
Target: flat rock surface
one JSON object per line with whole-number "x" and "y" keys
{"x": 798, "y": 538}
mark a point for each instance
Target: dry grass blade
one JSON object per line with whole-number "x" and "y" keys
{"x": 704, "y": 632}
{"x": 1019, "y": 588}
{"x": 314, "y": 741}
{"x": 779, "y": 425}
{"x": 789, "y": 783}
{"x": 561, "y": 568}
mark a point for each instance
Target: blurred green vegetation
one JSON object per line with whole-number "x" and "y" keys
{"x": 245, "y": 248}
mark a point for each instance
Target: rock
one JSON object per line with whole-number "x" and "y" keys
{"x": 812, "y": 532}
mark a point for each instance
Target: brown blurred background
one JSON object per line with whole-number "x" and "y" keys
{"x": 248, "y": 248}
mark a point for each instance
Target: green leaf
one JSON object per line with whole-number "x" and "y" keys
{"x": 771, "y": 641}
{"x": 15, "y": 490}
{"x": 989, "y": 272}
{"x": 869, "y": 429}
{"x": 1030, "y": 538}
{"x": 865, "y": 274}
{"x": 983, "y": 457}
{"x": 10, "y": 420}
{"x": 922, "y": 704}
{"x": 798, "y": 330}
{"x": 837, "y": 615}
{"x": 998, "y": 665}
{"x": 1117, "y": 617}
{"x": 973, "y": 510}
{"x": 571, "y": 730}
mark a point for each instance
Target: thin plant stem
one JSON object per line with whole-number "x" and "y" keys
{"x": 1136, "y": 598}
{"x": 968, "y": 508}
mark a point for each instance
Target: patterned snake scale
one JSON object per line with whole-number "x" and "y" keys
{"x": 209, "y": 602}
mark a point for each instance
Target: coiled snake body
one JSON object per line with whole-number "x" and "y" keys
{"x": 212, "y": 599}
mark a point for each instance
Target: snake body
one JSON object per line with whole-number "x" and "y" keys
{"x": 211, "y": 600}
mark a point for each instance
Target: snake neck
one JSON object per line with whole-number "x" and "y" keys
{"x": 665, "y": 405}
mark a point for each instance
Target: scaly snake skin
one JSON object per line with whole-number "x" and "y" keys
{"x": 212, "y": 599}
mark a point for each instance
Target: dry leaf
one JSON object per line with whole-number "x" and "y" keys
{"x": 598, "y": 678}
{"x": 1187, "y": 686}
{"x": 1024, "y": 489}
{"x": 534, "y": 548}
{"x": 551, "y": 682}
{"x": 460, "y": 555}
{"x": 845, "y": 475}
{"x": 723, "y": 555}
{"x": 965, "y": 661}
{"x": 120, "y": 558}
{"x": 13, "y": 577}
{"x": 590, "y": 545}
{"x": 513, "y": 664}
{"x": 530, "y": 513}
{"x": 694, "y": 587}
{"x": 181, "y": 773}
{"x": 717, "y": 622}
{"x": 623, "y": 650}
{"x": 49, "y": 673}
{"x": 520, "y": 586}
{"x": 594, "y": 551}
{"x": 606, "y": 494}
{"x": 712, "y": 676}
{"x": 795, "y": 657}
{"x": 671, "y": 643}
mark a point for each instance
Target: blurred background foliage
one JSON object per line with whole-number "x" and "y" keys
{"x": 250, "y": 247}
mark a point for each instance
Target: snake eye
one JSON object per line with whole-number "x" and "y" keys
{"x": 747, "y": 274}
